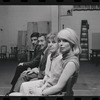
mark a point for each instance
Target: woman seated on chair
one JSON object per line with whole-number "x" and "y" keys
{"x": 59, "y": 68}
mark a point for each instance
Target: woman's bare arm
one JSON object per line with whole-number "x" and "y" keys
{"x": 66, "y": 74}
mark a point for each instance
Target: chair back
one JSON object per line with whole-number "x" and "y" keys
{"x": 67, "y": 90}
{"x": 3, "y": 49}
{"x": 69, "y": 85}
{"x": 3, "y": 52}
{"x": 14, "y": 50}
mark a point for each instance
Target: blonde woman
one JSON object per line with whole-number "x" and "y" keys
{"x": 70, "y": 49}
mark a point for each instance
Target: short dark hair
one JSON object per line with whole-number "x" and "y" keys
{"x": 34, "y": 34}
{"x": 43, "y": 34}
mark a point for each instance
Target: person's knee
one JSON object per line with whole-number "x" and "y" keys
{"x": 23, "y": 84}
{"x": 11, "y": 94}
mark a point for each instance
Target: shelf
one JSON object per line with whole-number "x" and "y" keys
{"x": 84, "y": 31}
{"x": 84, "y": 51}
{"x": 84, "y": 40}
{"x": 84, "y": 56}
{"x": 84, "y": 36}
{"x": 65, "y": 15}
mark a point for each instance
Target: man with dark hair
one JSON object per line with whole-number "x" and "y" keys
{"x": 37, "y": 64}
{"x": 34, "y": 49}
{"x": 34, "y": 40}
{"x": 31, "y": 52}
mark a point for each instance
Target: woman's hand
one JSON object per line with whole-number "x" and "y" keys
{"x": 44, "y": 86}
{"x": 35, "y": 70}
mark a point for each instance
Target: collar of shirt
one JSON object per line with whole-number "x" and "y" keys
{"x": 45, "y": 50}
{"x": 54, "y": 55}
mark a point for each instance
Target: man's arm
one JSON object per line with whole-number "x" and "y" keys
{"x": 34, "y": 62}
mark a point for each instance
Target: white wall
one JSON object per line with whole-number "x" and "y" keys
{"x": 54, "y": 18}
{"x": 15, "y": 18}
{"x": 74, "y": 22}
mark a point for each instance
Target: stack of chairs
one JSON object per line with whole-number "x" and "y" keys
{"x": 3, "y": 52}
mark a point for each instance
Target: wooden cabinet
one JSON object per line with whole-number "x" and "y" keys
{"x": 31, "y": 27}
{"x": 21, "y": 41}
{"x": 21, "y": 44}
{"x": 41, "y": 27}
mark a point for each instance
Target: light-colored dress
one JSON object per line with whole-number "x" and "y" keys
{"x": 31, "y": 88}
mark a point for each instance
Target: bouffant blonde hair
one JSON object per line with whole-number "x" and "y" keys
{"x": 71, "y": 36}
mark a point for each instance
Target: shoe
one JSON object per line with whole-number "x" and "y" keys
{"x": 7, "y": 94}
{"x": 11, "y": 90}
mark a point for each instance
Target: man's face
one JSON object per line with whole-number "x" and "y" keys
{"x": 42, "y": 42}
{"x": 34, "y": 40}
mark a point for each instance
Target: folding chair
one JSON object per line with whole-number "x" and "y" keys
{"x": 13, "y": 54}
{"x": 3, "y": 53}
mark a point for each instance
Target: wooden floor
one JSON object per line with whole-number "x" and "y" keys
{"x": 88, "y": 83}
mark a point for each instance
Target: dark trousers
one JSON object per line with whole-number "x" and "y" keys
{"x": 18, "y": 72}
{"x": 24, "y": 77}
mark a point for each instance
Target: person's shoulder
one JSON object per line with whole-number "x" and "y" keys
{"x": 58, "y": 58}
{"x": 75, "y": 57}
{"x": 75, "y": 60}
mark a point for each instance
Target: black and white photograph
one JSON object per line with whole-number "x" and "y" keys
{"x": 49, "y": 50}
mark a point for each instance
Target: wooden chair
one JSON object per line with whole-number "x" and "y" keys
{"x": 13, "y": 54}
{"x": 69, "y": 85}
{"x": 3, "y": 53}
{"x": 67, "y": 90}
